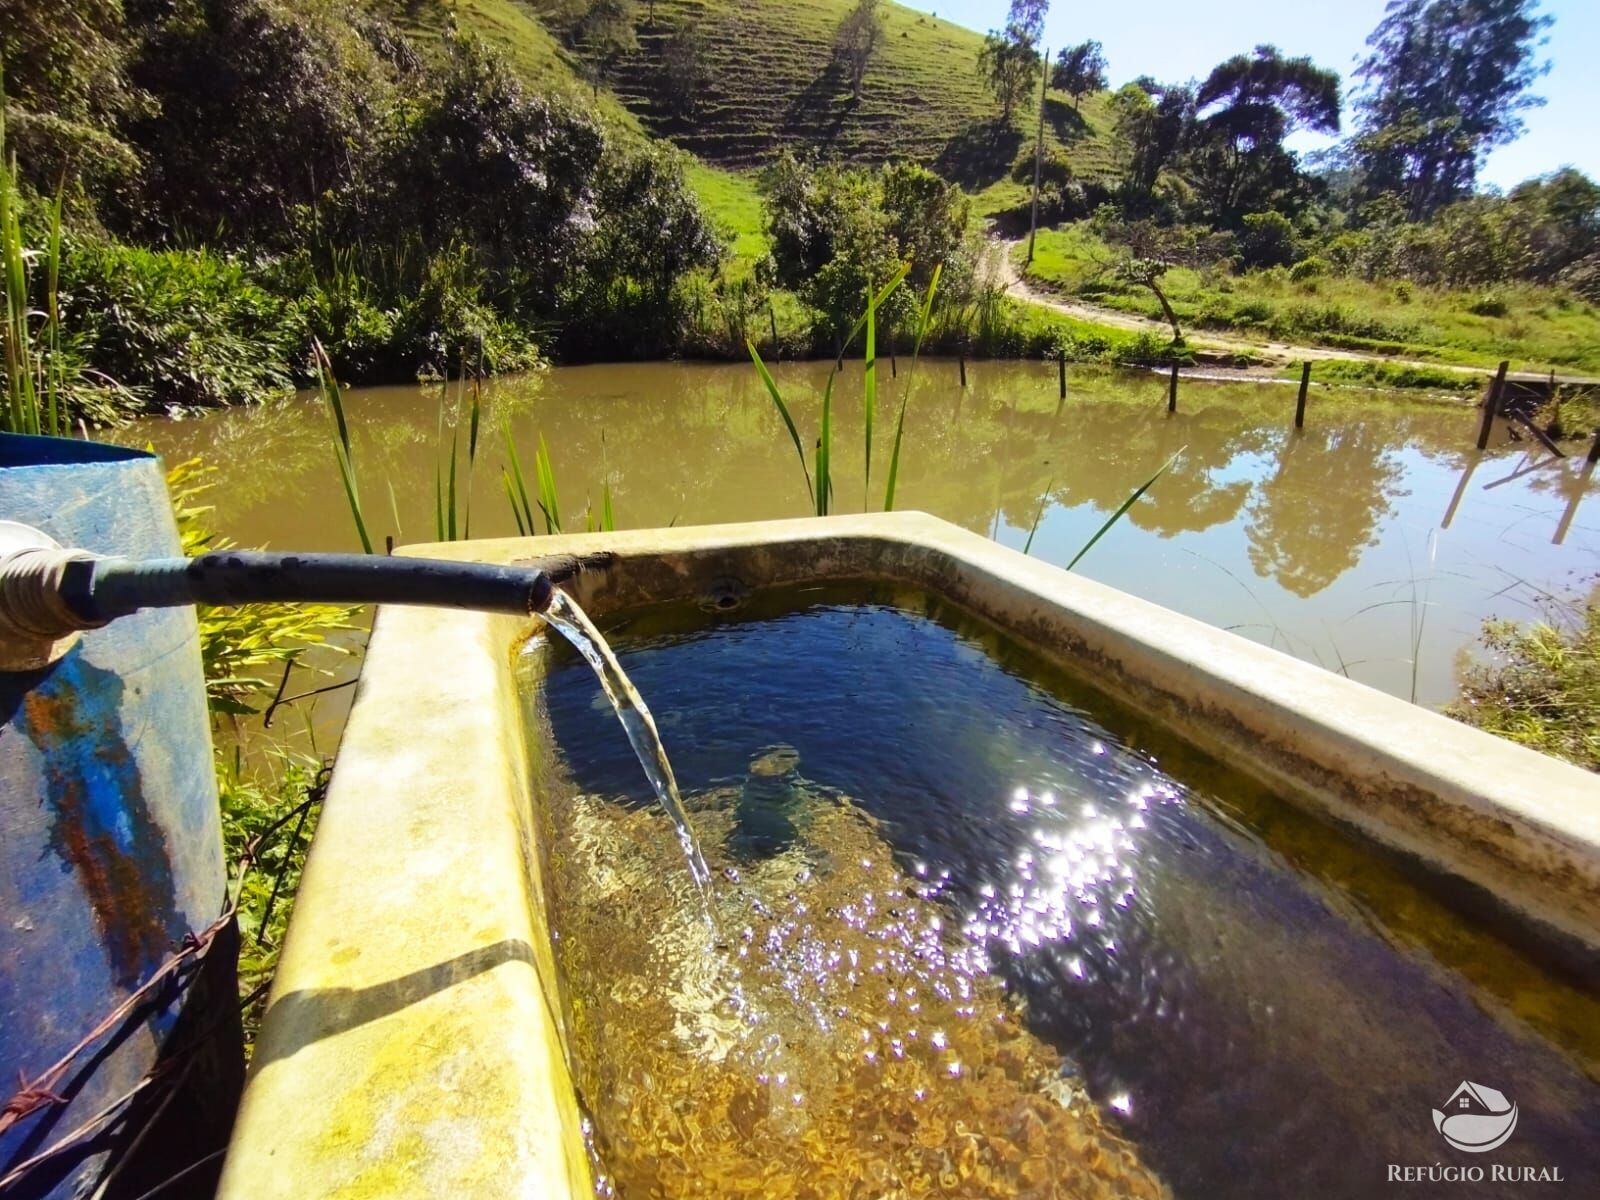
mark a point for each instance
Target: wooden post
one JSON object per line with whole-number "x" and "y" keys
{"x": 1300, "y": 404}
{"x": 962, "y": 361}
{"x": 1172, "y": 389}
{"x": 1594, "y": 450}
{"x": 1061, "y": 370}
{"x": 1491, "y": 404}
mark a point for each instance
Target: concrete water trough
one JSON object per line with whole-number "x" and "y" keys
{"x": 413, "y": 1045}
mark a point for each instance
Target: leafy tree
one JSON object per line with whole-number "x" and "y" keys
{"x": 834, "y": 230}
{"x": 649, "y": 233}
{"x": 1009, "y": 68}
{"x": 857, "y": 39}
{"x": 1009, "y": 61}
{"x": 1447, "y": 81}
{"x": 1152, "y": 122}
{"x": 65, "y": 86}
{"x": 1243, "y": 111}
{"x": 488, "y": 165}
{"x": 258, "y": 110}
{"x": 1540, "y": 232}
{"x": 1025, "y": 20}
{"x": 603, "y": 31}
{"x": 1079, "y": 70}
{"x": 685, "y": 69}
{"x": 1149, "y": 250}
{"x": 928, "y": 219}
{"x": 1557, "y": 222}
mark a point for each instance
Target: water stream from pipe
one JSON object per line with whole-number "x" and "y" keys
{"x": 568, "y": 619}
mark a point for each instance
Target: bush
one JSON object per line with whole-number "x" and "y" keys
{"x": 1542, "y": 689}
{"x": 1489, "y": 304}
{"x": 1253, "y": 312}
{"x": 177, "y": 327}
{"x": 1267, "y": 240}
{"x": 1308, "y": 269}
{"x": 260, "y": 110}
{"x": 1583, "y": 277}
{"x": 836, "y": 230}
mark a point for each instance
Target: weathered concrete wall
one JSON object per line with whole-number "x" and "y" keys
{"x": 412, "y": 1045}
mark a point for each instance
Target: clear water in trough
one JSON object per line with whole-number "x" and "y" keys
{"x": 982, "y": 932}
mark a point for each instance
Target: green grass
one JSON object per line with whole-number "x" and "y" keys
{"x": 1542, "y": 328}
{"x": 733, "y": 202}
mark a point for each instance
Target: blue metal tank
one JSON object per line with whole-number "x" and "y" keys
{"x": 110, "y": 859}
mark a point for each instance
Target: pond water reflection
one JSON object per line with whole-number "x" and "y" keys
{"x": 1375, "y": 541}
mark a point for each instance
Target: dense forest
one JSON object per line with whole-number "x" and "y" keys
{"x": 200, "y": 191}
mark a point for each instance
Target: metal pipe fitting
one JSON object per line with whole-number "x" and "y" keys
{"x": 49, "y": 594}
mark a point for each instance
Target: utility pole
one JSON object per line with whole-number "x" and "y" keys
{"x": 1038, "y": 158}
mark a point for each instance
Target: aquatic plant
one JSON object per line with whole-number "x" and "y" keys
{"x": 822, "y": 492}
{"x": 328, "y": 386}
{"x": 241, "y": 649}
{"x": 444, "y": 495}
{"x": 924, "y": 316}
{"x": 548, "y": 499}
{"x": 516, "y": 486}
{"x": 1122, "y": 509}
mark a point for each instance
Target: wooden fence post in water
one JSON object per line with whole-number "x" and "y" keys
{"x": 1061, "y": 367}
{"x": 1491, "y": 405}
{"x": 1300, "y": 404}
{"x": 1172, "y": 389}
{"x": 1594, "y": 450}
{"x": 962, "y": 363}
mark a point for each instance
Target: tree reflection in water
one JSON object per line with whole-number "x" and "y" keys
{"x": 1309, "y": 522}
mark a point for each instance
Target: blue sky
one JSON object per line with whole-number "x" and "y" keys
{"x": 1179, "y": 39}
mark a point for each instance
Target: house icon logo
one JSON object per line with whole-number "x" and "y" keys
{"x": 1476, "y": 1118}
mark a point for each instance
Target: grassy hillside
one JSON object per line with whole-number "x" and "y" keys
{"x": 516, "y": 30}
{"x": 772, "y": 82}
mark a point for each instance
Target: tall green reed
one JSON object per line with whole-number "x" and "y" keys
{"x": 821, "y": 490}
{"x": 33, "y": 363}
{"x": 1123, "y": 508}
{"x": 343, "y": 456}
{"x": 924, "y": 315}
{"x": 445, "y": 482}
{"x": 545, "y": 498}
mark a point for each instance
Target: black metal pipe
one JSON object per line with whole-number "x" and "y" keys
{"x": 99, "y": 590}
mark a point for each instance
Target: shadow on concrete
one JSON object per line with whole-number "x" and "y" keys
{"x": 302, "y": 1019}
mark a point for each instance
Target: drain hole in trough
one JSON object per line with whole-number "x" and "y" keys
{"x": 724, "y": 595}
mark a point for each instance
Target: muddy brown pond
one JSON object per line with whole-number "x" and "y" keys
{"x": 1374, "y": 542}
